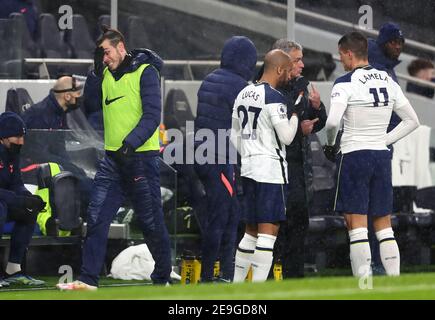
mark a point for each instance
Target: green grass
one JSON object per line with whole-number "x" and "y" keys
{"x": 407, "y": 286}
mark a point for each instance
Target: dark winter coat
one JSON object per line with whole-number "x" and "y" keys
{"x": 220, "y": 88}
{"x": 380, "y": 61}
{"x": 11, "y": 184}
{"x": 298, "y": 153}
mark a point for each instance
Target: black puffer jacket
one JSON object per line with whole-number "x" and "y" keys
{"x": 298, "y": 153}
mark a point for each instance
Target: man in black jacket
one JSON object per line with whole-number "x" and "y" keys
{"x": 312, "y": 115}
{"x": 17, "y": 204}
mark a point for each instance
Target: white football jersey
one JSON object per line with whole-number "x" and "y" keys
{"x": 370, "y": 96}
{"x": 258, "y": 108}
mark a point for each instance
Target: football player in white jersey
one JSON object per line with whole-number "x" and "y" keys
{"x": 365, "y": 98}
{"x": 260, "y": 129}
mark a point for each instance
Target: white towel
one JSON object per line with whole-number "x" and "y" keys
{"x": 135, "y": 263}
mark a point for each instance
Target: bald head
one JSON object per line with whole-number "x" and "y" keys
{"x": 63, "y": 83}
{"x": 276, "y": 59}
{"x": 277, "y": 67}
{"x": 67, "y": 92}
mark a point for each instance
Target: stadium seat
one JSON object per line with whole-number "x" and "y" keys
{"x": 318, "y": 65}
{"x": 103, "y": 19}
{"x": 50, "y": 38}
{"x": 177, "y": 110}
{"x": 122, "y": 25}
{"x": 18, "y": 100}
{"x": 80, "y": 41}
{"x": 327, "y": 230}
{"x": 52, "y": 44}
{"x": 425, "y": 198}
{"x": 29, "y": 48}
{"x": 403, "y": 198}
{"x": 64, "y": 199}
{"x": 323, "y": 180}
{"x": 79, "y": 38}
{"x": 327, "y": 243}
{"x": 10, "y": 44}
{"x": 137, "y": 33}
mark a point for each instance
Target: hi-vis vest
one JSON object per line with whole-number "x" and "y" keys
{"x": 46, "y": 214}
{"x": 122, "y": 109}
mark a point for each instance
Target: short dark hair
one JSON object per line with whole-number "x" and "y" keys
{"x": 419, "y": 64}
{"x": 356, "y": 42}
{"x": 114, "y": 36}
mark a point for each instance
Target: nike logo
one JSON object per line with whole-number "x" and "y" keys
{"x": 137, "y": 179}
{"x": 107, "y": 101}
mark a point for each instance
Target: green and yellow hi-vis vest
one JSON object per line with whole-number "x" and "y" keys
{"x": 44, "y": 215}
{"x": 122, "y": 109}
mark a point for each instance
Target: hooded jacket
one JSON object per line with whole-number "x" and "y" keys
{"x": 380, "y": 61}
{"x": 220, "y": 88}
{"x": 149, "y": 91}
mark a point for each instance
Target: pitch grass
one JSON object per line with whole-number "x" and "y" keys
{"x": 408, "y": 286}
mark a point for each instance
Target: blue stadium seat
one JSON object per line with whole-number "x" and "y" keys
{"x": 177, "y": 110}
{"x": 79, "y": 38}
{"x": 29, "y": 48}
{"x": 18, "y": 100}
{"x": 50, "y": 38}
{"x": 137, "y": 33}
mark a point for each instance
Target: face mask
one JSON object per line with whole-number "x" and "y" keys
{"x": 14, "y": 149}
{"x": 74, "y": 106}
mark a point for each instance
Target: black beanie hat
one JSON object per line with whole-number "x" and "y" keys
{"x": 11, "y": 125}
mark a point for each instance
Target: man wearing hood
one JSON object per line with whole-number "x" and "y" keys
{"x": 131, "y": 103}
{"x": 16, "y": 202}
{"x": 383, "y": 54}
{"x": 216, "y": 98}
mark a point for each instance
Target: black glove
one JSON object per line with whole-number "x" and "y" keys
{"x": 300, "y": 84}
{"x": 22, "y": 215}
{"x": 298, "y": 89}
{"x": 330, "y": 152}
{"x": 34, "y": 203}
{"x": 123, "y": 153}
{"x": 98, "y": 61}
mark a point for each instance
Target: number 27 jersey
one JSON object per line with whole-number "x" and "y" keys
{"x": 258, "y": 108}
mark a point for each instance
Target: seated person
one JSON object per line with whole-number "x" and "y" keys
{"x": 50, "y": 114}
{"x": 16, "y": 202}
{"x": 424, "y": 70}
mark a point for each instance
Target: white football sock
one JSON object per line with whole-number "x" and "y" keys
{"x": 389, "y": 250}
{"x": 244, "y": 254}
{"x": 262, "y": 258}
{"x": 12, "y": 268}
{"x": 360, "y": 255}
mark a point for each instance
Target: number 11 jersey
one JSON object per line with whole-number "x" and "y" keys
{"x": 370, "y": 96}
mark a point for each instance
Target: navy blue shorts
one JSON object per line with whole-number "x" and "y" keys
{"x": 263, "y": 202}
{"x": 364, "y": 183}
